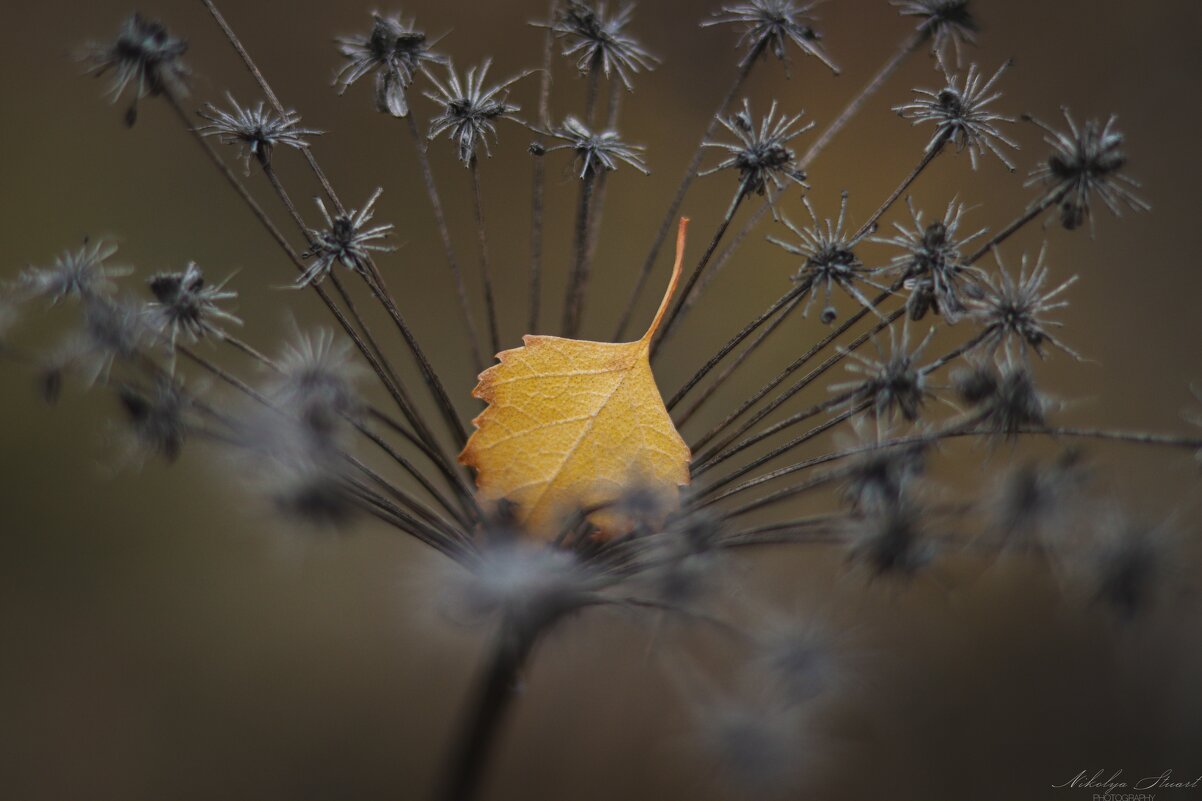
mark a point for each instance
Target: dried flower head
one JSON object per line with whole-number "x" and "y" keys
{"x": 930, "y": 263}
{"x": 156, "y": 417}
{"x": 762, "y": 155}
{"x": 830, "y": 259}
{"x": 946, "y": 22}
{"x": 396, "y": 52}
{"x": 256, "y": 130}
{"x": 597, "y": 151}
{"x": 769, "y": 25}
{"x": 1085, "y": 161}
{"x": 960, "y": 114}
{"x": 470, "y": 110}
{"x": 1013, "y": 312}
{"x": 185, "y": 304}
{"x": 79, "y": 274}
{"x": 1002, "y": 396}
{"x": 346, "y": 240}
{"x": 892, "y": 383}
{"x": 144, "y": 56}
{"x": 596, "y": 40}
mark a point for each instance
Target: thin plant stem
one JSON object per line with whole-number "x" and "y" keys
{"x": 690, "y": 174}
{"x": 717, "y": 383}
{"x": 747, "y": 330}
{"x": 578, "y": 280}
{"x": 539, "y": 179}
{"x": 691, "y": 283}
{"x": 487, "y": 708}
{"x": 485, "y": 266}
{"x": 909, "y": 46}
{"x": 444, "y": 233}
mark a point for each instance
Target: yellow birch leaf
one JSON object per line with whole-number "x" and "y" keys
{"x": 570, "y": 423}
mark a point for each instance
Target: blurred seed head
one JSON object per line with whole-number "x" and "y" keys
{"x": 79, "y": 274}
{"x": 1086, "y": 162}
{"x": 891, "y": 538}
{"x": 521, "y": 582}
{"x": 946, "y": 22}
{"x": 316, "y": 382}
{"x": 1035, "y": 505}
{"x": 878, "y": 476}
{"x": 1003, "y": 397}
{"x": 156, "y": 417}
{"x": 145, "y": 57}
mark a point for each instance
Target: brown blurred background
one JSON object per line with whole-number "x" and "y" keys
{"x": 162, "y": 639}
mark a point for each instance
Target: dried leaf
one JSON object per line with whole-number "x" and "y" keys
{"x": 570, "y": 423}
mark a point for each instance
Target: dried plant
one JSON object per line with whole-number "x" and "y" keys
{"x": 311, "y": 439}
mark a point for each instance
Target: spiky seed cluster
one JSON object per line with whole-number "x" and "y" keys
{"x": 1003, "y": 397}
{"x": 830, "y": 259}
{"x": 145, "y": 56}
{"x": 396, "y": 51}
{"x": 470, "y": 110}
{"x": 596, "y": 151}
{"x": 257, "y": 130}
{"x": 79, "y": 274}
{"x": 185, "y": 304}
{"x": 597, "y": 41}
{"x": 930, "y": 263}
{"x": 156, "y": 417}
{"x": 770, "y": 25}
{"x": 946, "y": 22}
{"x": 762, "y": 155}
{"x": 346, "y": 240}
{"x": 1085, "y": 161}
{"x": 1013, "y": 312}
{"x": 892, "y": 383}
{"x": 960, "y": 115}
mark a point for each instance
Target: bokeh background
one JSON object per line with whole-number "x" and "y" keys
{"x": 162, "y": 638}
